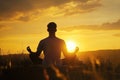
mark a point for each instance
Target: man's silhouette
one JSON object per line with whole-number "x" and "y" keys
{"x": 52, "y": 47}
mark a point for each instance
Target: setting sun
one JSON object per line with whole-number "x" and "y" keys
{"x": 71, "y": 46}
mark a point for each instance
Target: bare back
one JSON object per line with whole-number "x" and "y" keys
{"x": 52, "y": 48}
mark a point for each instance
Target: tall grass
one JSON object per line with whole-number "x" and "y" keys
{"x": 94, "y": 69}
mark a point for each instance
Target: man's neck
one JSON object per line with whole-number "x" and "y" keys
{"x": 52, "y": 35}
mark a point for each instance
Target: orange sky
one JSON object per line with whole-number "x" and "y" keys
{"x": 92, "y": 24}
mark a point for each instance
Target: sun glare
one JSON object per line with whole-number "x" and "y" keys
{"x": 71, "y": 46}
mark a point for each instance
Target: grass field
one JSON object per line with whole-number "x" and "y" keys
{"x": 21, "y": 68}
{"x": 68, "y": 72}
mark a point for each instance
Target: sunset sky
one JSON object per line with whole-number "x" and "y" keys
{"x": 91, "y": 24}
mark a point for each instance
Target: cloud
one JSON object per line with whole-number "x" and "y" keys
{"x": 80, "y": 27}
{"x": 117, "y": 35}
{"x": 26, "y": 10}
{"x": 112, "y": 26}
{"x": 4, "y": 27}
{"x": 105, "y": 26}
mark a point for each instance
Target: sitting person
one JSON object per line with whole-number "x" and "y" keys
{"x": 52, "y": 47}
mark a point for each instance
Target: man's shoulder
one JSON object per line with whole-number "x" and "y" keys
{"x": 44, "y": 39}
{"x": 60, "y": 39}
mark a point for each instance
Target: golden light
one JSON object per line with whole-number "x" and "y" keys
{"x": 71, "y": 46}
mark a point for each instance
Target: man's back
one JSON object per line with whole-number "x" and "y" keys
{"x": 52, "y": 47}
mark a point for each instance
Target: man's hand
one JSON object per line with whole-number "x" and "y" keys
{"x": 74, "y": 53}
{"x": 28, "y": 49}
{"x": 76, "y": 49}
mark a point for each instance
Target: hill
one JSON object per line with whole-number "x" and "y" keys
{"x": 103, "y": 55}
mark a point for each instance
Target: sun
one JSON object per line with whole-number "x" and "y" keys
{"x": 71, "y": 46}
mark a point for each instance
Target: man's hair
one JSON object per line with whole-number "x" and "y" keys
{"x": 52, "y": 27}
{"x": 52, "y": 24}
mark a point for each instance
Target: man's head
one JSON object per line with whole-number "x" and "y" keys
{"x": 52, "y": 27}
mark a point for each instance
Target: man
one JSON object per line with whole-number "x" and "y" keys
{"x": 52, "y": 47}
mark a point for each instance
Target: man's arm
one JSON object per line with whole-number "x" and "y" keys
{"x": 68, "y": 54}
{"x": 39, "y": 49}
{"x": 34, "y": 56}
